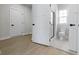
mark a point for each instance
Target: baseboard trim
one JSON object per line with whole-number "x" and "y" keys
{"x": 74, "y": 52}
{"x": 4, "y": 38}
{"x": 40, "y": 43}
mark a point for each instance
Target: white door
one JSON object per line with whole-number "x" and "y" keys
{"x": 41, "y": 18}
{"x": 16, "y": 22}
{"x": 72, "y": 19}
{"x": 78, "y": 33}
{"x": 77, "y": 28}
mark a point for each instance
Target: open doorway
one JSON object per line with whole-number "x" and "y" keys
{"x": 62, "y": 41}
{"x": 66, "y": 34}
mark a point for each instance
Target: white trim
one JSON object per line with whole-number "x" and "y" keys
{"x": 30, "y": 32}
{"x": 4, "y": 38}
{"x": 24, "y": 34}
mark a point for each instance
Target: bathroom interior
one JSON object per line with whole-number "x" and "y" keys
{"x": 61, "y": 40}
{"x": 65, "y": 38}
{"x": 62, "y": 33}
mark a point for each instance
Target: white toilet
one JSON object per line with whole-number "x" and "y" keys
{"x": 61, "y": 35}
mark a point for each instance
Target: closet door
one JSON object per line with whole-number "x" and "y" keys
{"x": 16, "y": 22}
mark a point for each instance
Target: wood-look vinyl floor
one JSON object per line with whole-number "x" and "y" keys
{"x": 22, "y": 45}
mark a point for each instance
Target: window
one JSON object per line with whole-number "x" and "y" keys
{"x": 63, "y": 16}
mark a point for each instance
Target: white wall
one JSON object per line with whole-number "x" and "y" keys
{"x": 28, "y": 19}
{"x": 5, "y": 19}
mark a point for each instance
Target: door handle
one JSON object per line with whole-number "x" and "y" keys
{"x": 12, "y": 24}
{"x": 33, "y": 24}
{"x": 72, "y": 24}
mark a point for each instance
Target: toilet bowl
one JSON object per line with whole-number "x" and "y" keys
{"x": 61, "y": 35}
